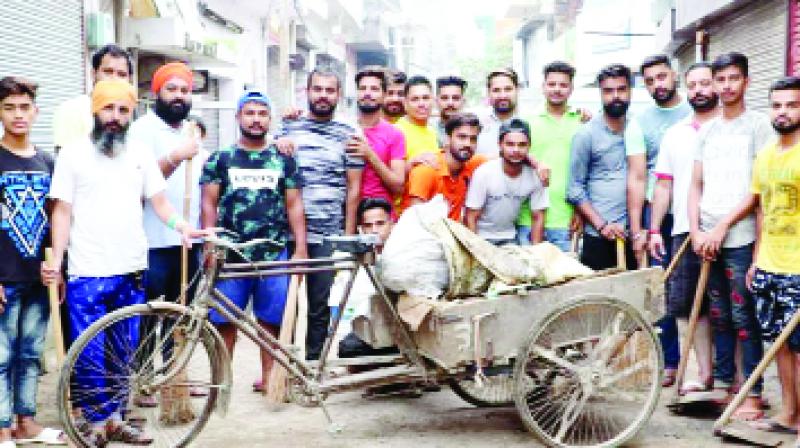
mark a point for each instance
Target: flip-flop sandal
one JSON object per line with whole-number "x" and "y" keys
{"x": 748, "y": 416}
{"x": 772, "y": 425}
{"x": 719, "y": 396}
{"x": 695, "y": 386}
{"x": 129, "y": 435}
{"x": 47, "y": 436}
{"x": 669, "y": 380}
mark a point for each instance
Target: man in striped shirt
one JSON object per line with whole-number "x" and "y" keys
{"x": 331, "y": 181}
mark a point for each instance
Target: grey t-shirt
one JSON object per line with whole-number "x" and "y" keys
{"x": 727, "y": 149}
{"x": 598, "y": 172}
{"x": 500, "y": 197}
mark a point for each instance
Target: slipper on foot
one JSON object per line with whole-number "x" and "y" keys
{"x": 47, "y": 436}
{"x": 772, "y": 425}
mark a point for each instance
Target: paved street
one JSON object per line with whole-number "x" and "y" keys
{"x": 437, "y": 419}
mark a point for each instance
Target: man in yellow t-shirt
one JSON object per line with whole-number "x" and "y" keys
{"x": 775, "y": 275}
{"x": 421, "y": 143}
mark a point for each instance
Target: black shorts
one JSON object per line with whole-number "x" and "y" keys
{"x": 777, "y": 300}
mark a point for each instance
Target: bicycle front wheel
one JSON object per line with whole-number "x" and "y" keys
{"x": 138, "y": 366}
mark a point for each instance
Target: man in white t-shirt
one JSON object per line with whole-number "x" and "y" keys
{"x": 673, "y": 173}
{"x": 720, "y": 181}
{"x": 500, "y": 186}
{"x": 98, "y": 185}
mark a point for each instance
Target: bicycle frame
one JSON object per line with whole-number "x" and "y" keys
{"x": 285, "y": 356}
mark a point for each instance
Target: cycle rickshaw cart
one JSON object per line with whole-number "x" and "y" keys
{"x": 580, "y": 361}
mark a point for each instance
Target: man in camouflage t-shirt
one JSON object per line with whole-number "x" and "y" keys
{"x": 253, "y": 190}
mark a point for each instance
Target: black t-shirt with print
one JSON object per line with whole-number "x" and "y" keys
{"x": 24, "y": 224}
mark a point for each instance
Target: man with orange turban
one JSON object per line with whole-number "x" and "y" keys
{"x": 97, "y": 186}
{"x": 165, "y": 133}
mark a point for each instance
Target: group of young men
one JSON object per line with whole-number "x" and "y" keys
{"x": 704, "y": 167}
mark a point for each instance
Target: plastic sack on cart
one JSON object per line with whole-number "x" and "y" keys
{"x": 413, "y": 259}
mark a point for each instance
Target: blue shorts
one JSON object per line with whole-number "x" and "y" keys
{"x": 268, "y": 295}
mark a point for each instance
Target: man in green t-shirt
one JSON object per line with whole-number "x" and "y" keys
{"x": 551, "y": 138}
{"x": 252, "y": 189}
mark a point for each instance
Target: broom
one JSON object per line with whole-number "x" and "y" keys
{"x": 175, "y": 400}
{"x": 276, "y": 386}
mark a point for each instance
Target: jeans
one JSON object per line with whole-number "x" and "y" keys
{"x": 23, "y": 325}
{"x": 668, "y": 336}
{"x": 318, "y": 289}
{"x": 89, "y": 299}
{"x": 524, "y": 235}
{"x": 733, "y": 316}
{"x": 558, "y": 237}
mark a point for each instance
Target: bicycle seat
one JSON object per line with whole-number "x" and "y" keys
{"x": 354, "y": 244}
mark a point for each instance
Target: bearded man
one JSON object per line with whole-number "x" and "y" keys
{"x": 98, "y": 185}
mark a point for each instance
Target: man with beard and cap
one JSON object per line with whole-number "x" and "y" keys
{"x": 450, "y": 101}
{"x": 253, "y": 190}
{"x": 455, "y": 165}
{"x": 673, "y": 172}
{"x": 384, "y": 149}
{"x": 502, "y": 89}
{"x": 597, "y": 179}
{"x": 500, "y": 186}
{"x": 551, "y": 132}
{"x": 775, "y": 272}
{"x": 642, "y": 143}
{"x": 331, "y": 184}
{"x": 393, "y": 107}
{"x": 98, "y": 186}
{"x": 720, "y": 181}
{"x": 165, "y": 132}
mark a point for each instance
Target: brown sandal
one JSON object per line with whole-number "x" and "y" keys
{"x": 128, "y": 434}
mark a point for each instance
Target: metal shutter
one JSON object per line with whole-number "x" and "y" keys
{"x": 793, "y": 63}
{"x": 759, "y": 32}
{"x": 43, "y": 41}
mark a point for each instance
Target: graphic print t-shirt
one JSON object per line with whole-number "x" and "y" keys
{"x": 24, "y": 184}
{"x": 252, "y": 195}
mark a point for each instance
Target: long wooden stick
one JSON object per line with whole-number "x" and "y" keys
{"x": 621, "y": 262}
{"x": 55, "y": 311}
{"x": 276, "y": 386}
{"x": 175, "y": 401}
{"x": 693, "y": 318}
{"x": 573, "y": 246}
{"x": 677, "y": 257}
{"x": 759, "y": 370}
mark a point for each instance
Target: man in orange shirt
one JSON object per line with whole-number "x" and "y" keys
{"x": 456, "y": 163}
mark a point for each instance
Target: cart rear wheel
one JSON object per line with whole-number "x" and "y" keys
{"x": 497, "y": 391}
{"x": 589, "y": 374}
